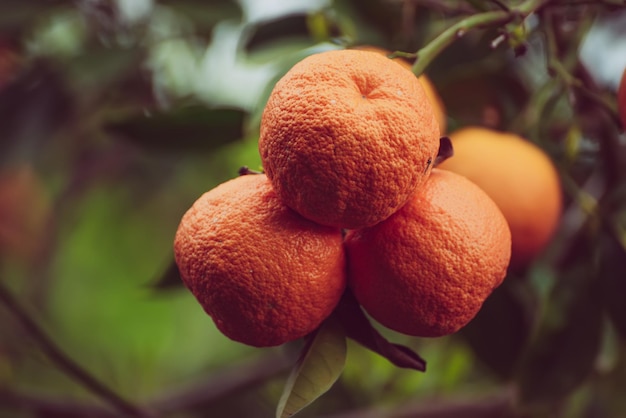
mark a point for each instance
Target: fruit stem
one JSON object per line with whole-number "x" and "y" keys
{"x": 63, "y": 361}
{"x": 428, "y": 53}
{"x": 245, "y": 170}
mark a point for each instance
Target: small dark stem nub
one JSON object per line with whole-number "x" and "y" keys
{"x": 245, "y": 170}
{"x": 446, "y": 150}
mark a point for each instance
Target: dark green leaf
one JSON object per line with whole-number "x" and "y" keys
{"x": 500, "y": 331}
{"x": 359, "y": 328}
{"x": 186, "y": 128}
{"x": 318, "y": 368}
{"x": 569, "y": 337}
{"x": 205, "y": 15}
{"x": 374, "y": 14}
{"x": 170, "y": 280}
{"x": 285, "y": 27}
{"x": 17, "y": 15}
{"x": 117, "y": 71}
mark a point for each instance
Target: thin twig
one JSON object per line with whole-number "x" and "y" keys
{"x": 556, "y": 66}
{"x": 223, "y": 383}
{"x": 498, "y": 405}
{"x": 63, "y": 361}
{"x": 231, "y": 380}
{"x": 487, "y": 19}
{"x": 45, "y": 406}
{"x": 428, "y": 53}
{"x": 588, "y": 101}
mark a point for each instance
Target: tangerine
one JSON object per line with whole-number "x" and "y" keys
{"x": 427, "y": 269}
{"x": 347, "y": 136}
{"x": 263, "y": 273}
{"x": 429, "y": 88}
{"x": 24, "y": 211}
{"x": 519, "y": 176}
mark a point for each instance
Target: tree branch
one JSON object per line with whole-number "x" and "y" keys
{"x": 63, "y": 361}
{"x": 222, "y": 383}
{"x": 496, "y": 406}
{"x": 44, "y": 406}
{"x": 587, "y": 99}
{"x": 428, "y": 53}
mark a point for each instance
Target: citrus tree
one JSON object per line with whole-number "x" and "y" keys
{"x": 376, "y": 208}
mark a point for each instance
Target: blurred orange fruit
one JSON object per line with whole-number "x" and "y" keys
{"x": 427, "y": 269}
{"x": 24, "y": 211}
{"x": 519, "y": 177}
{"x": 262, "y": 272}
{"x": 429, "y": 88}
{"x": 436, "y": 101}
{"x": 347, "y": 136}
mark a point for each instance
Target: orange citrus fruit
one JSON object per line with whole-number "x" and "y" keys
{"x": 427, "y": 84}
{"x": 621, "y": 99}
{"x": 262, "y": 272}
{"x": 519, "y": 177}
{"x": 24, "y": 211}
{"x": 436, "y": 101}
{"x": 347, "y": 136}
{"x": 427, "y": 269}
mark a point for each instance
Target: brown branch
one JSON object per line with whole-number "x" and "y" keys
{"x": 201, "y": 394}
{"x": 499, "y": 405}
{"x": 223, "y": 383}
{"x": 429, "y": 52}
{"x": 63, "y": 361}
{"x": 45, "y": 406}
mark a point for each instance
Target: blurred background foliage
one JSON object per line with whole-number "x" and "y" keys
{"x": 115, "y": 115}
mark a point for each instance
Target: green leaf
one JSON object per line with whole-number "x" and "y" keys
{"x": 205, "y": 15}
{"x": 185, "y": 128}
{"x": 502, "y": 328}
{"x": 319, "y": 366}
{"x": 169, "y": 280}
{"x": 358, "y": 328}
{"x": 17, "y": 15}
{"x": 379, "y": 15}
{"x": 274, "y": 30}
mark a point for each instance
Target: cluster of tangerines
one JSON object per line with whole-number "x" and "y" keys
{"x": 350, "y": 199}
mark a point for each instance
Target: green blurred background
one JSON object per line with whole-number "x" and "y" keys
{"x": 116, "y": 115}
